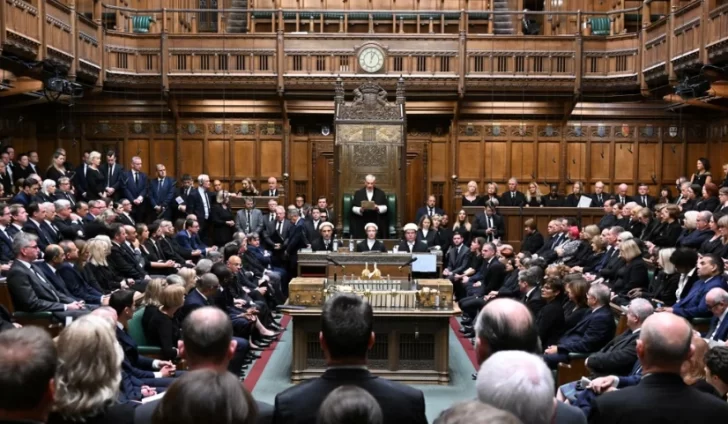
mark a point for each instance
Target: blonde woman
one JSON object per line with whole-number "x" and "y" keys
{"x": 491, "y": 194}
{"x": 99, "y": 249}
{"x": 160, "y": 323}
{"x": 96, "y": 188}
{"x": 247, "y": 188}
{"x": 534, "y": 197}
{"x": 153, "y": 292}
{"x": 661, "y": 290}
{"x": 633, "y": 274}
{"x": 89, "y": 374}
{"x": 189, "y": 276}
{"x": 462, "y": 226}
{"x": 471, "y": 197}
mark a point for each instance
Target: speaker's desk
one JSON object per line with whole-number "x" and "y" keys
{"x": 319, "y": 264}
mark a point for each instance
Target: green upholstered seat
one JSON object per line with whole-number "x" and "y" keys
{"x": 358, "y": 16}
{"x": 262, "y": 15}
{"x": 478, "y": 15}
{"x": 137, "y": 333}
{"x": 382, "y": 16}
{"x": 599, "y": 26}
{"x": 346, "y": 209}
{"x": 392, "y": 214}
{"x": 141, "y": 24}
{"x": 701, "y": 324}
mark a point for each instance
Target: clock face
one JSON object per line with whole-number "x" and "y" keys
{"x": 371, "y": 59}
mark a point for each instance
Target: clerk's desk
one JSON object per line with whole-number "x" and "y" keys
{"x": 317, "y": 264}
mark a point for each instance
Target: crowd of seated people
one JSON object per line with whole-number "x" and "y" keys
{"x": 118, "y": 254}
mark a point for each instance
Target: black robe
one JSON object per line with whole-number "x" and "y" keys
{"x": 358, "y": 222}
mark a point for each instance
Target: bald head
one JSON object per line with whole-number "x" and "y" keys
{"x": 664, "y": 343}
{"x": 207, "y": 338}
{"x": 504, "y": 324}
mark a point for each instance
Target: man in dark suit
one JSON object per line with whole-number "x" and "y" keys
{"x": 557, "y": 237}
{"x": 661, "y": 396}
{"x": 123, "y": 261}
{"x": 513, "y": 197}
{"x": 599, "y": 196}
{"x": 488, "y": 278}
{"x": 592, "y": 333}
{"x": 33, "y": 225}
{"x": 693, "y": 304}
{"x": 126, "y": 217}
{"x": 79, "y": 178}
{"x": 457, "y": 262}
{"x": 88, "y": 291}
{"x": 275, "y": 235}
{"x": 410, "y": 243}
{"x": 346, "y": 336}
{"x": 296, "y": 241}
{"x": 430, "y": 209}
{"x": 608, "y": 220}
{"x": 189, "y": 239}
{"x": 68, "y": 229}
{"x": 202, "y": 201}
{"x": 27, "y": 195}
{"x": 528, "y": 284}
{"x": 170, "y": 248}
{"x": 64, "y": 191}
{"x": 184, "y": 202}
{"x": 643, "y": 197}
{"x": 52, "y": 260}
{"x": 6, "y": 181}
{"x": 717, "y": 302}
{"x": 272, "y": 188}
{"x": 161, "y": 194}
{"x": 488, "y": 224}
{"x": 6, "y": 241}
{"x": 134, "y": 184}
{"x": 619, "y": 355}
{"x": 208, "y": 343}
{"x": 113, "y": 175}
{"x": 30, "y": 291}
{"x": 312, "y": 225}
{"x": 621, "y": 195}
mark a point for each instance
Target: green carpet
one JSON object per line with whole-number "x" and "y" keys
{"x": 275, "y": 377}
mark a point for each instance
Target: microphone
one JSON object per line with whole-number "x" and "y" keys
{"x": 333, "y": 261}
{"x": 409, "y": 262}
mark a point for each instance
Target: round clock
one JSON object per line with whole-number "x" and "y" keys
{"x": 371, "y": 59}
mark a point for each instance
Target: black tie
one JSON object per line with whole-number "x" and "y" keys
{"x": 513, "y": 195}
{"x": 644, "y": 200}
{"x": 430, "y": 211}
{"x": 247, "y": 226}
{"x": 279, "y": 227}
{"x": 326, "y": 245}
{"x": 600, "y": 198}
{"x": 159, "y": 187}
{"x": 159, "y": 252}
{"x": 111, "y": 172}
{"x": 270, "y": 217}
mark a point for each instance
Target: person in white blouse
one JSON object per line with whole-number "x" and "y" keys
{"x": 371, "y": 244}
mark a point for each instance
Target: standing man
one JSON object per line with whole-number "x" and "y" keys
{"x": 272, "y": 188}
{"x": 184, "y": 202}
{"x": 249, "y": 219}
{"x": 79, "y": 178}
{"x": 135, "y": 189}
{"x": 161, "y": 194}
{"x": 202, "y": 200}
{"x": 112, "y": 173}
{"x": 296, "y": 242}
{"x": 430, "y": 209}
{"x": 375, "y": 212}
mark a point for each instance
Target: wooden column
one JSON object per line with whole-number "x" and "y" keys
{"x": 74, "y": 39}
{"x": 164, "y": 56}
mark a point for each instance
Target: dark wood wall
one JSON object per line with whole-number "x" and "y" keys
{"x": 611, "y": 151}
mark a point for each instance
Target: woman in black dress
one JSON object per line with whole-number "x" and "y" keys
{"x": 713, "y": 244}
{"x": 576, "y": 307}
{"x": 631, "y": 276}
{"x": 577, "y": 190}
{"x": 99, "y": 249}
{"x": 725, "y": 176}
{"x": 669, "y": 231}
{"x": 160, "y": 325}
{"x": 702, "y": 175}
{"x": 709, "y": 199}
{"x": 57, "y": 170}
{"x": 247, "y": 188}
{"x": 462, "y": 226}
{"x": 550, "y": 320}
{"x": 534, "y": 197}
{"x": 491, "y": 194}
{"x": 665, "y": 196}
{"x": 222, "y": 219}
{"x": 94, "y": 179}
{"x": 88, "y": 376}
{"x": 664, "y": 284}
{"x": 471, "y": 197}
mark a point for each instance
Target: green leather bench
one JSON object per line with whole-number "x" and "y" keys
{"x": 599, "y": 26}
{"x": 141, "y": 24}
{"x": 701, "y": 325}
{"x": 347, "y": 203}
{"x": 137, "y": 333}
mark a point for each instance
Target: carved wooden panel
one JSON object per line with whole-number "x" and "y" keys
{"x": 647, "y": 163}
{"x": 694, "y": 152}
{"x": 218, "y": 158}
{"x": 359, "y": 160}
{"x": 439, "y": 163}
{"x": 600, "y": 161}
{"x": 624, "y": 156}
{"x": 299, "y": 160}
{"x": 549, "y": 161}
{"x": 470, "y": 160}
{"x": 271, "y": 152}
{"x": 191, "y": 163}
{"x": 576, "y": 161}
{"x": 523, "y": 160}
{"x": 244, "y": 158}
{"x": 671, "y": 162}
{"x": 495, "y": 161}
{"x": 416, "y": 176}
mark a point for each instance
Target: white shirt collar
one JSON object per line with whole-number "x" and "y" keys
{"x": 370, "y": 243}
{"x": 531, "y": 291}
{"x": 203, "y": 296}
